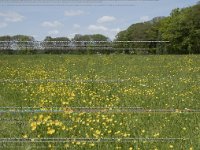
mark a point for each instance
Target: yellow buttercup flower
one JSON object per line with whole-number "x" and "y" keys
{"x": 51, "y": 131}
{"x": 33, "y": 125}
{"x": 91, "y": 144}
{"x": 98, "y": 132}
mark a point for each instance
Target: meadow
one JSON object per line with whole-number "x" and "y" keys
{"x": 126, "y": 102}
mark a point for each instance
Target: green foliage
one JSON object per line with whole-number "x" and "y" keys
{"x": 181, "y": 28}
{"x": 13, "y": 43}
{"x": 5, "y": 38}
{"x": 22, "y": 38}
{"x": 93, "y": 37}
{"x": 49, "y": 38}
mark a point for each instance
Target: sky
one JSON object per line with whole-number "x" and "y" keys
{"x": 67, "y": 19}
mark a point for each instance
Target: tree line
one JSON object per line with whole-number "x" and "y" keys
{"x": 181, "y": 29}
{"x": 79, "y": 44}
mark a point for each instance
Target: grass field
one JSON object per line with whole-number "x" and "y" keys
{"x": 104, "y": 97}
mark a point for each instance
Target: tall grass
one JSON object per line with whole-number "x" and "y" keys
{"x": 169, "y": 85}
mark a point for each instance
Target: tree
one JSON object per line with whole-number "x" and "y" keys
{"x": 55, "y": 43}
{"x": 91, "y": 40}
{"x": 93, "y": 37}
{"x": 23, "y": 42}
{"x": 136, "y": 32}
{"x": 6, "y": 42}
{"x": 181, "y": 28}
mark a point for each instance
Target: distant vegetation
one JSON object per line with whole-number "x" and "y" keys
{"x": 181, "y": 28}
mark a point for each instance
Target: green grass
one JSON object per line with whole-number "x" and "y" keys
{"x": 149, "y": 82}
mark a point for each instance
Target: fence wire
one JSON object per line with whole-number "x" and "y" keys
{"x": 93, "y": 140}
{"x": 62, "y": 80}
{"x": 16, "y": 110}
{"x": 71, "y": 2}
